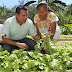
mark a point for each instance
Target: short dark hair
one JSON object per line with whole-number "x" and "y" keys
{"x": 41, "y": 3}
{"x": 19, "y": 8}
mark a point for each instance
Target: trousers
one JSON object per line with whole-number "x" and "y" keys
{"x": 31, "y": 43}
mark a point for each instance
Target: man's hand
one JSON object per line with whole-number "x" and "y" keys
{"x": 22, "y": 45}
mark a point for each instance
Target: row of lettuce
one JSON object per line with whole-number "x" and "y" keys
{"x": 65, "y": 36}
{"x": 59, "y": 59}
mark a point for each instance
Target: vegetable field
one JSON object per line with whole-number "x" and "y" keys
{"x": 58, "y": 59}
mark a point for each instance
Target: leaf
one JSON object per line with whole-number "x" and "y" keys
{"x": 36, "y": 47}
{"x": 54, "y": 64}
{"x": 25, "y": 66}
{"x": 17, "y": 70}
{"x": 28, "y": 3}
{"x": 47, "y": 57}
{"x": 41, "y": 67}
{"x": 16, "y": 65}
{"x": 2, "y": 69}
{"x": 32, "y": 54}
{"x": 36, "y": 63}
{"x": 46, "y": 69}
{"x": 8, "y": 69}
{"x": 5, "y": 53}
{"x": 31, "y": 64}
{"x": 69, "y": 64}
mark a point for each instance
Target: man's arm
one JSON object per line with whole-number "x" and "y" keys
{"x": 10, "y": 42}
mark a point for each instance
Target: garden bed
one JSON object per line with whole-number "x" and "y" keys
{"x": 58, "y": 58}
{"x": 52, "y": 71}
{"x": 64, "y": 39}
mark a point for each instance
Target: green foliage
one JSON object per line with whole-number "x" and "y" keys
{"x": 5, "y": 13}
{"x": 64, "y": 18}
{"x": 32, "y": 11}
{"x": 69, "y": 9}
{"x": 48, "y": 46}
{"x": 56, "y": 4}
{"x": 65, "y": 36}
{"x": 27, "y": 61}
{"x": 66, "y": 29}
{"x": 1, "y": 49}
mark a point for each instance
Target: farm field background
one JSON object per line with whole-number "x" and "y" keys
{"x": 59, "y": 59}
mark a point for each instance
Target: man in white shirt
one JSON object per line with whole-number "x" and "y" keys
{"x": 1, "y": 25}
{"x": 16, "y": 29}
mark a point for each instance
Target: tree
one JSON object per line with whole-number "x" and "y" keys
{"x": 56, "y": 4}
{"x": 26, "y": 2}
{"x": 5, "y": 13}
{"x": 69, "y": 9}
{"x": 69, "y": 13}
{"x": 2, "y": 12}
{"x": 32, "y": 11}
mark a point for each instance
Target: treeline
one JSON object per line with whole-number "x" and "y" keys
{"x": 64, "y": 14}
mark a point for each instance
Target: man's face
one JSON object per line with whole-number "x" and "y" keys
{"x": 42, "y": 11}
{"x": 22, "y": 17}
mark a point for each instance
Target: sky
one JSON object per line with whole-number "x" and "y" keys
{"x": 11, "y": 3}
